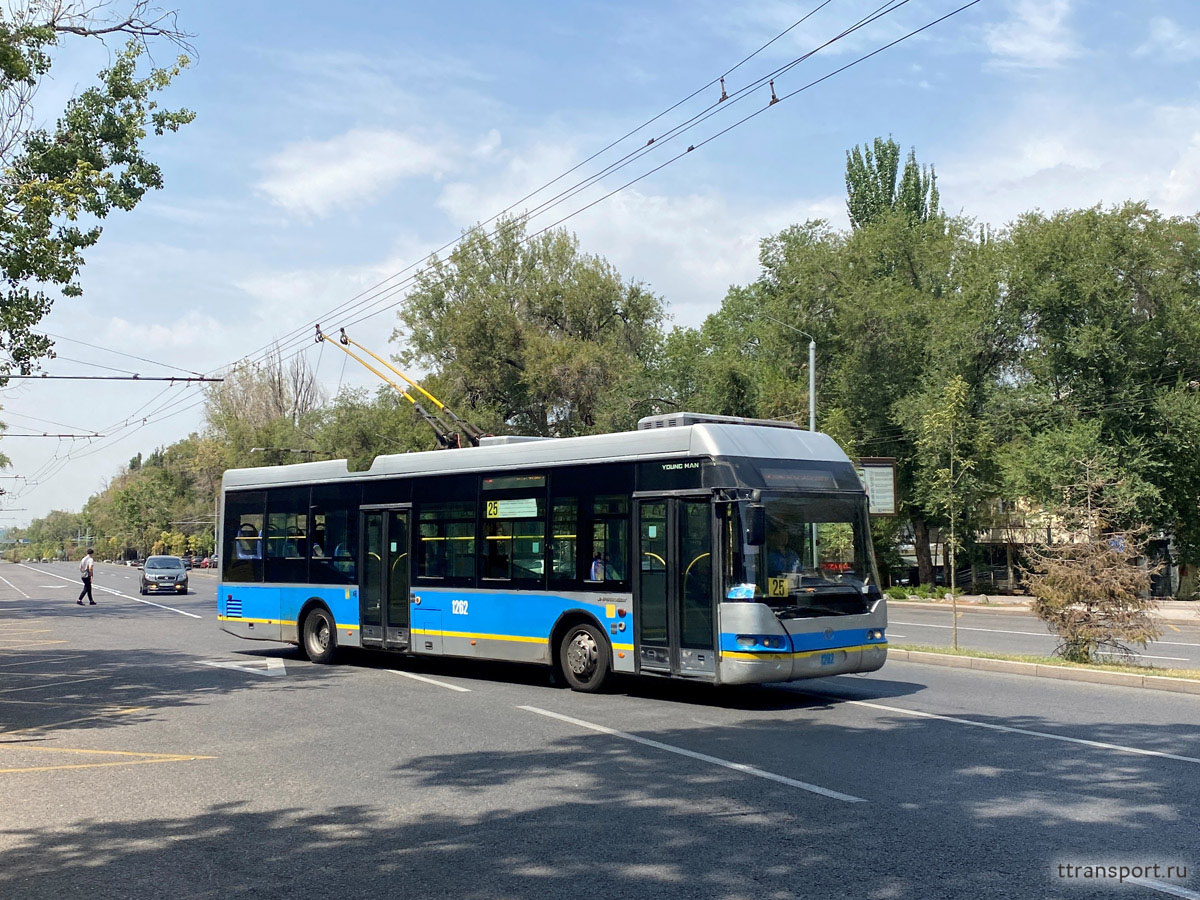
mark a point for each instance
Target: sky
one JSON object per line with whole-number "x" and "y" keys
{"x": 335, "y": 145}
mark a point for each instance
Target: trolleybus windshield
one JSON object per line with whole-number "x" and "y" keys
{"x": 816, "y": 559}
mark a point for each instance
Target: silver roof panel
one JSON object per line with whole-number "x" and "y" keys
{"x": 693, "y": 440}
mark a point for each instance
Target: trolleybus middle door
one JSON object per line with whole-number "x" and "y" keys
{"x": 385, "y": 592}
{"x": 674, "y": 599}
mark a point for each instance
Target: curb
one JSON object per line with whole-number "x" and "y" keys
{"x": 1039, "y": 670}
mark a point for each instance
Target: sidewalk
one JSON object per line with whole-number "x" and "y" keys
{"x": 1180, "y": 611}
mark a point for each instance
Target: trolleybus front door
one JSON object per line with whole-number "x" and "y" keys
{"x": 674, "y": 599}
{"x": 384, "y": 593}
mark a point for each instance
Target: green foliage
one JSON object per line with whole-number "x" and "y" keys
{"x": 360, "y": 428}
{"x": 533, "y": 336}
{"x": 872, "y": 190}
{"x": 1094, "y": 594}
{"x": 91, "y": 162}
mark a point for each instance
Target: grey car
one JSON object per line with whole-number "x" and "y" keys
{"x": 164, "y": 573}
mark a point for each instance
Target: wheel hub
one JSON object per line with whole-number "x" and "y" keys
{"x": 320, "y": 635}
{"x": 582, "y": 655}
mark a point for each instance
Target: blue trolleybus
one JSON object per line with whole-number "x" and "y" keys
{"x": 725, "y": 550}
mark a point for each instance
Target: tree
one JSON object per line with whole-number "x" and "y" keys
{"x": 873, "y": 191}
{"x": 358, "y": 427}
{"x": 90, "y": 163}
{"x": 265, "y": 404}
{"x": 947, "y": 469}
{"x": 1092, "y": 586}
{"x": 531, "y": 335}
{"x": 906, "y": 301}
{"x": 1109, "y": 300}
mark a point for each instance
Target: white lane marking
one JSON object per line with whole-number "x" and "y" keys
{"x": 15, "y": 588}
{"x": 703, "y": 757}
{"x": 1165, "y": 886}
{"x": 415, "y": 677}
{"x": 1148, "y": 656}
{"x": 38, "y": 687}
{"x": 55, "y": 587}
{"x": 1010, "y": 730}
{"x": 893, "y": 634}
{"x": 98, "y": 587}
{"x": 272, "y": 667}
{"x": 35, "y": 662}
{"x": 1031, "y": 634}
{"x": 970, "y": 628}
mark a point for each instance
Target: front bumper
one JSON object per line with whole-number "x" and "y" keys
{"x": 165, "y": 587}
{"x": 798, "y": 648}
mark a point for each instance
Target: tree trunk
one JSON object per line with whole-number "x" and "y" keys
{"x": 921, "y": 548}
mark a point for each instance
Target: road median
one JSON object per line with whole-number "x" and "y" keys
{"x": 1042, "y": 669}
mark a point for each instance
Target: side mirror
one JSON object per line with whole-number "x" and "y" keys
{"x": 756, "y": 524}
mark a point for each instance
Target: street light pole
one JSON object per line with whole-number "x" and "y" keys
{"x": 812, "y": 415}
{"x": 812, "y": 383}
{"x": 812, "y": 370}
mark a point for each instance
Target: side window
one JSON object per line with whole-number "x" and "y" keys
{"x": 610, "y": 540}
{"x": 564, "y": 538}
{"x": 446, "y": 540}
{"x": 286, "y": 539}
{"x": 514, "y": 538}
{"x": 243, "y": 537}
{"x": 333, "y": 539}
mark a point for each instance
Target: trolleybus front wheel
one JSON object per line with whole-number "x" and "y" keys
{"x": 320, "y": 636}
{"x": 584, "y": 657}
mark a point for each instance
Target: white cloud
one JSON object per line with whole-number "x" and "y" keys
{"x": 1036, "y": 37}
{"x": 313, "y": 178}
{"x": 1050, "y": 154}
{"x": 689, "y": 247}
{"x": 1168, "y": 41}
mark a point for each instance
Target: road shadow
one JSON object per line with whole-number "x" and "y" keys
{"x": 43, "y": 689}
{"x": 591, "y": 813}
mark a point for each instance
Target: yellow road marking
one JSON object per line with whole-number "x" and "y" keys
{"x": 1172, "y": 627}
{"x": 116, "y": 712}
{"x": 28, "y": 642}
{"x": 38, "y": 631}
{"x": 141, "y": 759}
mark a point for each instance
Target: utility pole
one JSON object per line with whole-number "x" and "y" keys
{"x": 812, "y": 412}
{"x": 953, "y": 559}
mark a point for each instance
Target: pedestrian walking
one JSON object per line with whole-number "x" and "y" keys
{"x": 86, "y": 565}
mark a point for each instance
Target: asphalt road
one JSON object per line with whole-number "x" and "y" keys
{"x": 1178, "y": 646}
{"x": 144, "y": 753}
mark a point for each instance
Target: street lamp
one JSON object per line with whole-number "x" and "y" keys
{"x": 812, "y": 370}
{"x": 812, "y": 412}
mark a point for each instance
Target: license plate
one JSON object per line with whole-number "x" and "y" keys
{"x": 827, "y": 659}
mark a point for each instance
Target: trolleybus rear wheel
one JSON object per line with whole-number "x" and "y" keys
{"x": 584, "y": 657}
{"x": 320, "y": 636}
